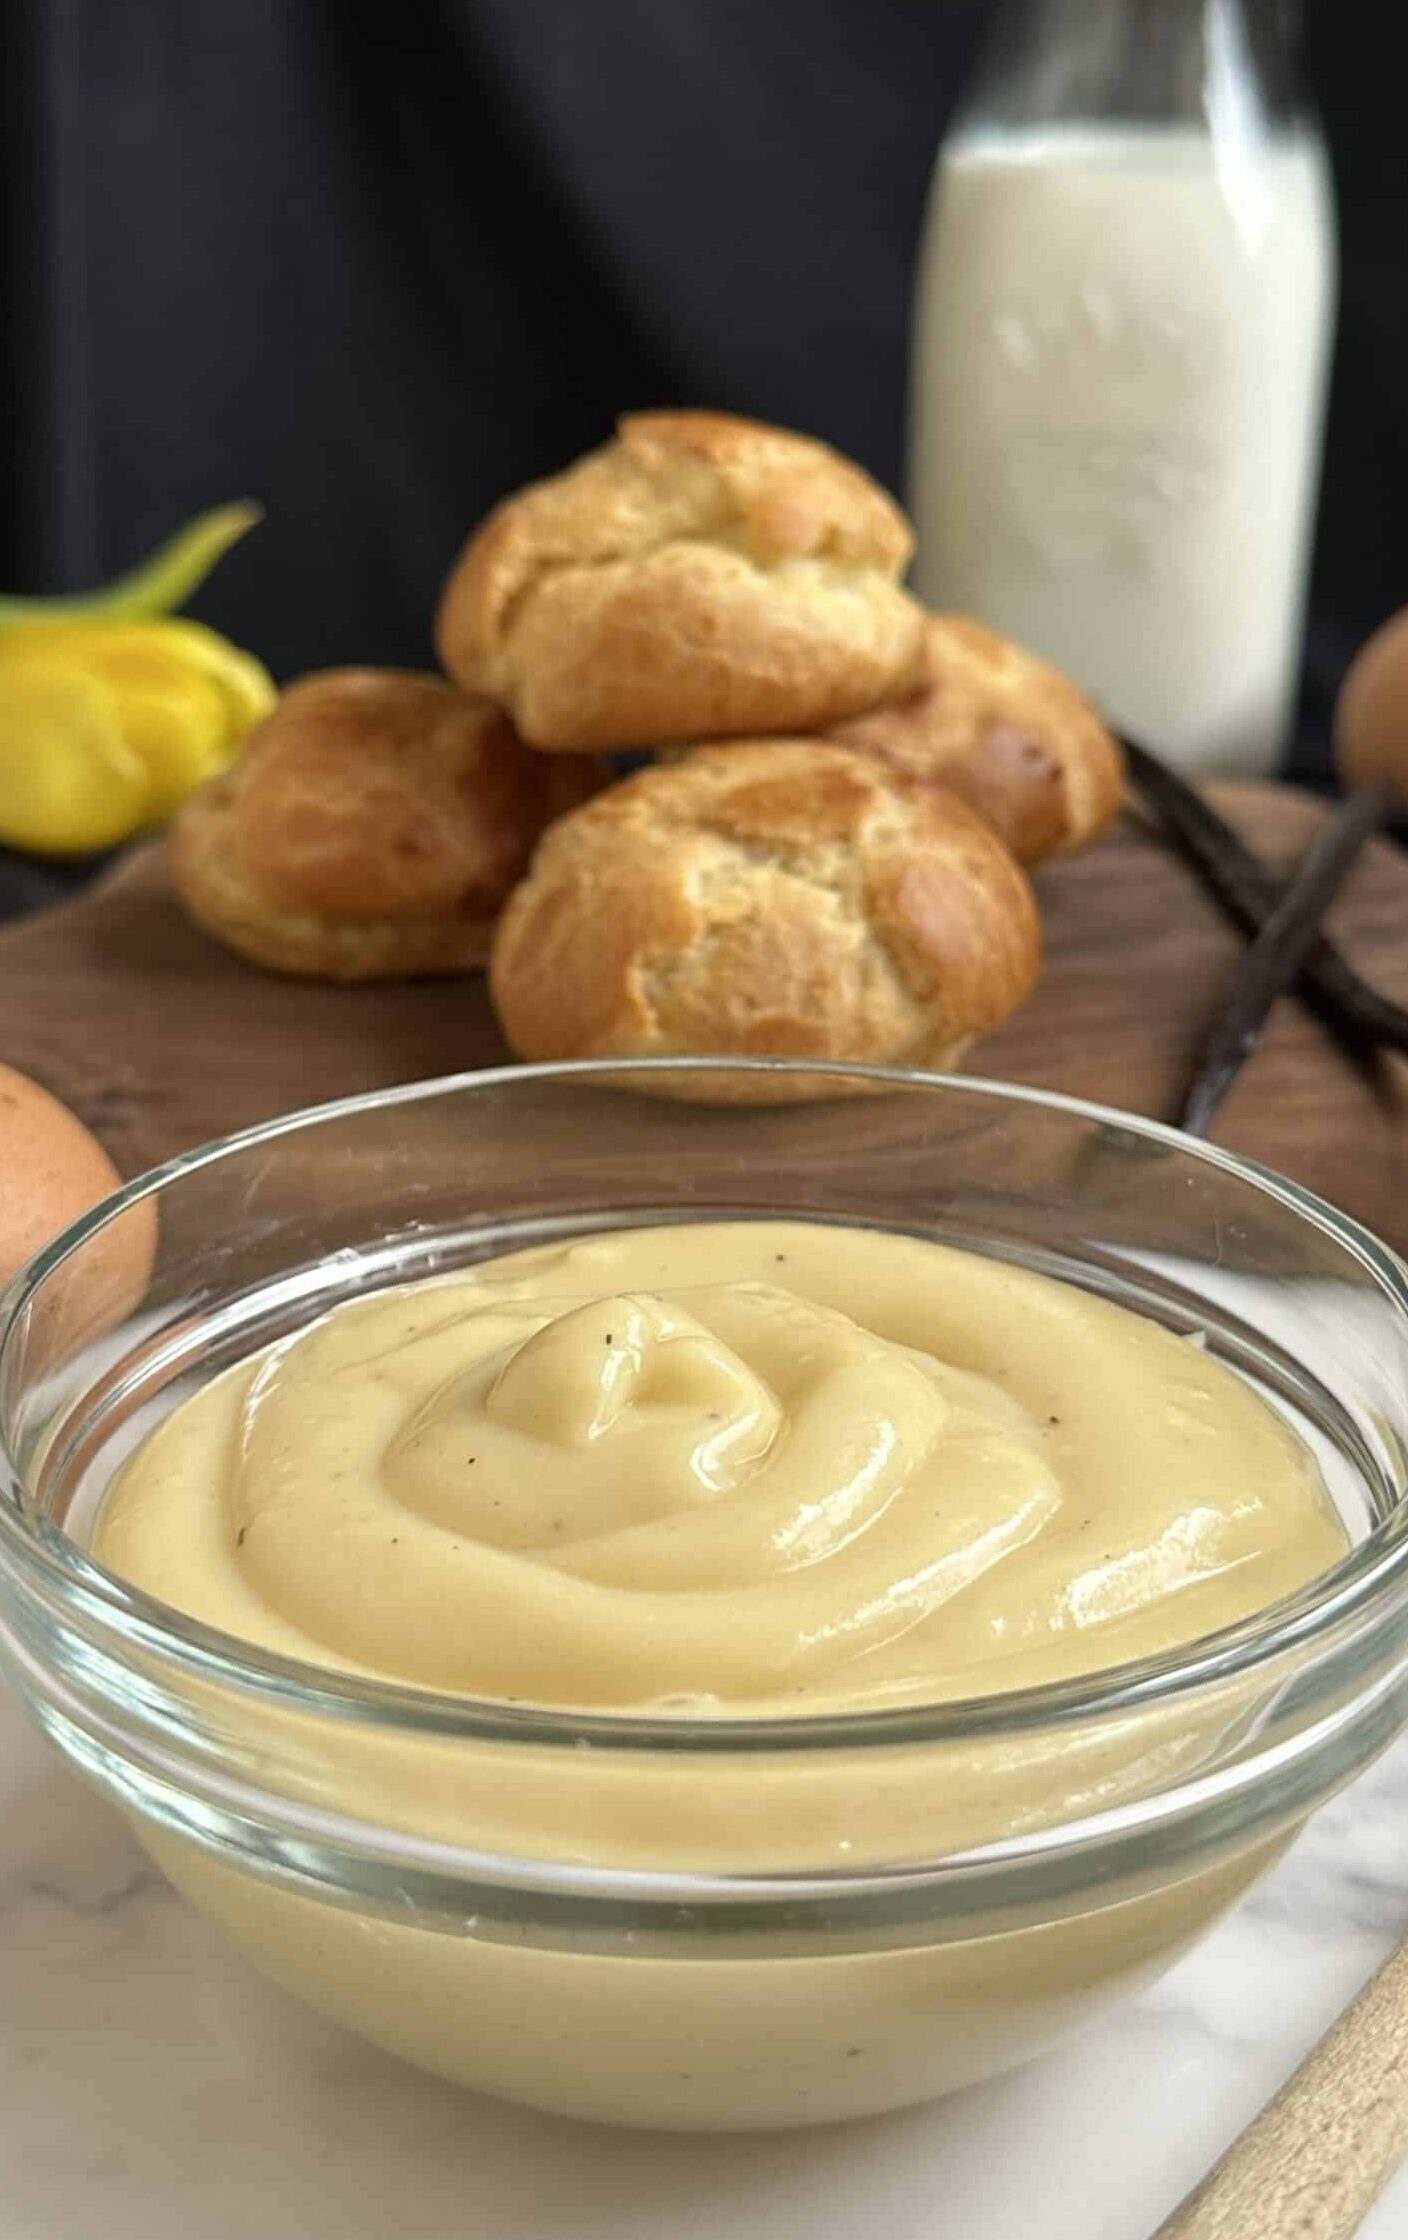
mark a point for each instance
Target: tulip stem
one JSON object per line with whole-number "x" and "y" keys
{"x": 157, "y": 585}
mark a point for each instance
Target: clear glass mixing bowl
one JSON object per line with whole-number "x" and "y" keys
{"x": 561, "y": 1908}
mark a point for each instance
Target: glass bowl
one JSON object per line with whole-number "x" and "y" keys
{"x": 574, "y": 1911}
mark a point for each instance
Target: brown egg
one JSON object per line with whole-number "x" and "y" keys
{"x": 52, "y": 1170}
{"x": 1371, "y": 713}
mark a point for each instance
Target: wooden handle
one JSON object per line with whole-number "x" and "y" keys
{"x": 1314, "y": 2162}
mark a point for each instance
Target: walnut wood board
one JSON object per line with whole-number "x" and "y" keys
{"x": 160, "y": 1040}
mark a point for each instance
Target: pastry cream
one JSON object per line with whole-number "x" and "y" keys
{"x": 718, "y": 1471}
{"x": 725, "y": 1467}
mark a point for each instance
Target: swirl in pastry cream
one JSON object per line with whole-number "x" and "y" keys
{"x": 722, "y": 1467}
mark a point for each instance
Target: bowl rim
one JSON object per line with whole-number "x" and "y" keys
{"x": 59, "y": 1565}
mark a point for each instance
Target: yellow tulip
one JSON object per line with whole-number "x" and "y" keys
{"x": 111, "y": 712}
{"x": 69, "y": 782}
{"x": 106, "y": 727}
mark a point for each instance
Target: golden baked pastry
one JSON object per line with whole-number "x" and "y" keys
{"x": 699, "y": 577}
{"x": 371, "y": 828}
{"x": 777, "y": 897}
{"x": 1006, "y": 731}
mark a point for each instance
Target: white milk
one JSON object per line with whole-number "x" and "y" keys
{"x": 1118, "y": 380}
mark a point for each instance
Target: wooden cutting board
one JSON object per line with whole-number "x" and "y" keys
{"x": 159, "y": 1039}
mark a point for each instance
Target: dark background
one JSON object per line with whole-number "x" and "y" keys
{"x": 377, "y": 261}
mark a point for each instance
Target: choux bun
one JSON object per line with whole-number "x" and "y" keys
{"x": 699, "y": 577}
{"x": 1008, "y": 733}
{"x": 778, "y": 897}
{"x": 371, "y": 829}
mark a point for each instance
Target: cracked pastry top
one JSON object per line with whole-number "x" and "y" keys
{"x": 698, "y": 577}
{"x": 779, "y": 896}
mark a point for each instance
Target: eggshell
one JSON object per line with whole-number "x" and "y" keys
{"x": 51, "y": 1169}
{"x": 1371, "y": 714}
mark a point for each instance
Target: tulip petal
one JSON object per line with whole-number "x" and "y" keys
{"x": 69, "y": 782}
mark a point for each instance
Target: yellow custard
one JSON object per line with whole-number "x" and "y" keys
{"x": 739, "y": 1467}
{"x": 721, "y": 1471}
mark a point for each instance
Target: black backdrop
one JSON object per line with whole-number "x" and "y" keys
{"x": 377, "y": 261}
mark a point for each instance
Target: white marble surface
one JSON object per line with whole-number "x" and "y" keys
{"x": 153, "y": 2088}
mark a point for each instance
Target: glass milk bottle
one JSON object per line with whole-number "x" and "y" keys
{"x": 1124, "y": 305}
